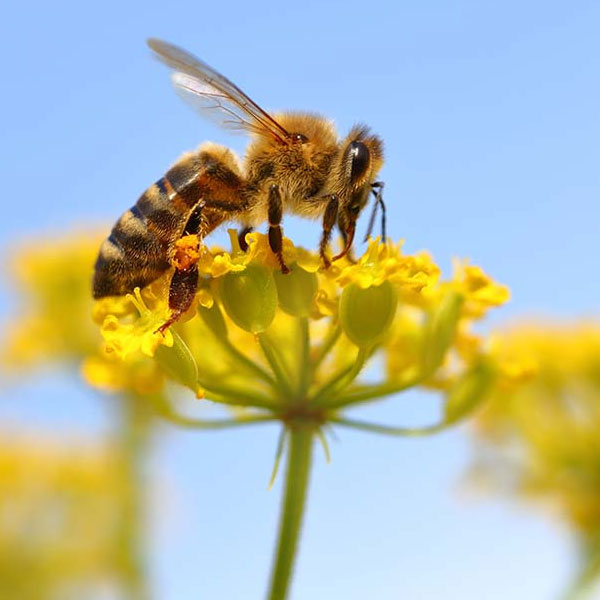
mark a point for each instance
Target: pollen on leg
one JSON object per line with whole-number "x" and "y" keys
{"x": 187, "y": 252}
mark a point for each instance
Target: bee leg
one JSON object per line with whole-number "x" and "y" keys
{"x": 350, "y": 255}
{"x": 181, "y": 294}
{"x": 349, "y": 231}
{"x": 329, "y": 219}
{"x": 242, "y": 238}
{"x": 184, "y": 282}
{"x": 275, "y": 236}
{"x": 377, "y": 189}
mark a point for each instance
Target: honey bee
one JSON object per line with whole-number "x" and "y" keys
{"x": 294, "y": 163}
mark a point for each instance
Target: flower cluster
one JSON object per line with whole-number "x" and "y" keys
{"x": 53, "y": 324}
{"x": 539, "y": 436}
{"x": 266, "y": 346}
{"x": 294, "y": 344}
{"x": 61, "y": 505}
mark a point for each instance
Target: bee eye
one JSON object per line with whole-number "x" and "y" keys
{"x": 360, "y": 158}
{"x": 355, "y": 210}
{"x": 299, "y": 138}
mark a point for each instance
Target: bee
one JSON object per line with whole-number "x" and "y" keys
{"x": 294, "y": 163}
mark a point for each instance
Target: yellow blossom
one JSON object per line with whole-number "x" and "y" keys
{"x": 385, "y": 262}
{"x": 61, "y": 503}
{"x": 125, "y": 337}
{"x": 292, "y": 348}
{"x": 53, "y": 324}
{"x": 480, "y": 292}
{"x": 258, "y": 330}
{"x": 539, "y": 436}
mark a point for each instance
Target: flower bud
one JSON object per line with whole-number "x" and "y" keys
{"x": 178, "y": 363}
{"x": 440, "y": 331}
{"x": 296, "y": 291}
{"x": 249, "y": 297}
{"x": 366, "y": 313}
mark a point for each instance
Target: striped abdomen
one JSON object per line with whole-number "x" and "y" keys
{"x": 138, "y": 249}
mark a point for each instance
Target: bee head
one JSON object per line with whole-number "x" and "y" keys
{"x": 361, "y": 160}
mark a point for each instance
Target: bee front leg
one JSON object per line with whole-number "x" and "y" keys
{"x": 275, "y": 235}
{"x": 350, "y": 255}
{"x": 329, "y": 219}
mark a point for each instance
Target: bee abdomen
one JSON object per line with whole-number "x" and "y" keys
{"x": 134, "y": 254}
{"x": 137, "y": 250}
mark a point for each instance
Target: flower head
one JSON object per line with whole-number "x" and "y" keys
{"x": 294, "y": 344}
{"x": 539, "y": 436}
{"x": 54, "y": 324}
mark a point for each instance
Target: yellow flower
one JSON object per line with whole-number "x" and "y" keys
{"x": 128, "y": 336}
{"x": 53, "y": 277}
{"x": 268, "y": 341}
{"x": 53, "y": 325}
{"x": 540, "y": 433}
{"x": 62, "y": 503}
{"x": 385, "y": 262}
{"x": 480, "y": 291}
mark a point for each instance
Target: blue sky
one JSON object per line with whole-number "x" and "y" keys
{"x": 489, "y": 112}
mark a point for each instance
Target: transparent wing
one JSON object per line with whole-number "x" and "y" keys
{"x": 214, "y": 95}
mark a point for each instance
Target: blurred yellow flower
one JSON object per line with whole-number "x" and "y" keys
{"x": 53, "y": 325}
{"x": 61, "y": 508}
{"x": 480, "y": 292}
{"x": 539, "y": 437}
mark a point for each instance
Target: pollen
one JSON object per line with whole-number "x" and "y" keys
{"x": 187, "y": 253}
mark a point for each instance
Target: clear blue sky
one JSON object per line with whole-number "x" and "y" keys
{"x": 489, "y": 113}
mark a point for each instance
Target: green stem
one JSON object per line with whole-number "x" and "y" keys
{"x": 241, "y": 358}
{"x": 305, "y": 375}
{"x": 328, "y": 344}
{"x": 373, "y": 392}
{"x": 133, "y": 445}
{"x": 342, "y": 379}
{"x": 228, "y": 394}
{"x": 192, "y": 423}
{"x": 387, "y": 430}
{"x": 294, "y": 500}
{"x": 271, "y": 354}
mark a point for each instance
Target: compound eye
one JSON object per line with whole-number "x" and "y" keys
{"x": 299, "y": 138}
{"x": 361, "y": 159}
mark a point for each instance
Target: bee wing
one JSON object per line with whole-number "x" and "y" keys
{"x": 214, "y": 95}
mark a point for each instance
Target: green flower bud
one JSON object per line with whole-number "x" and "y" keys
{"x": 366, "y": 313}
{"x": 468, "y": 392}
{"x": 296, "y": 291}
{"x": 178, "y": 362}
{"x": 250, "y": 298}
{"x": 213, "y": 318}
{"x": 440, "y": 331}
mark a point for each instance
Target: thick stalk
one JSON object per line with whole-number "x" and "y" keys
{"x": 134, "y": 438}
{"x": 294, "y": 500}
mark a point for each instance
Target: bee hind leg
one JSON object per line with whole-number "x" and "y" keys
{"x": 181, "y": 295}
{"x": 184, "y": 282}
{"x": 275, "y": 235}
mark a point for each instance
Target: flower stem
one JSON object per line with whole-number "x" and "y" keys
{"x": 134, "y": 439}
{"x": 294, "y": 500}
{"x": 273, "y": 357}
{"x": 305, "y": 374}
